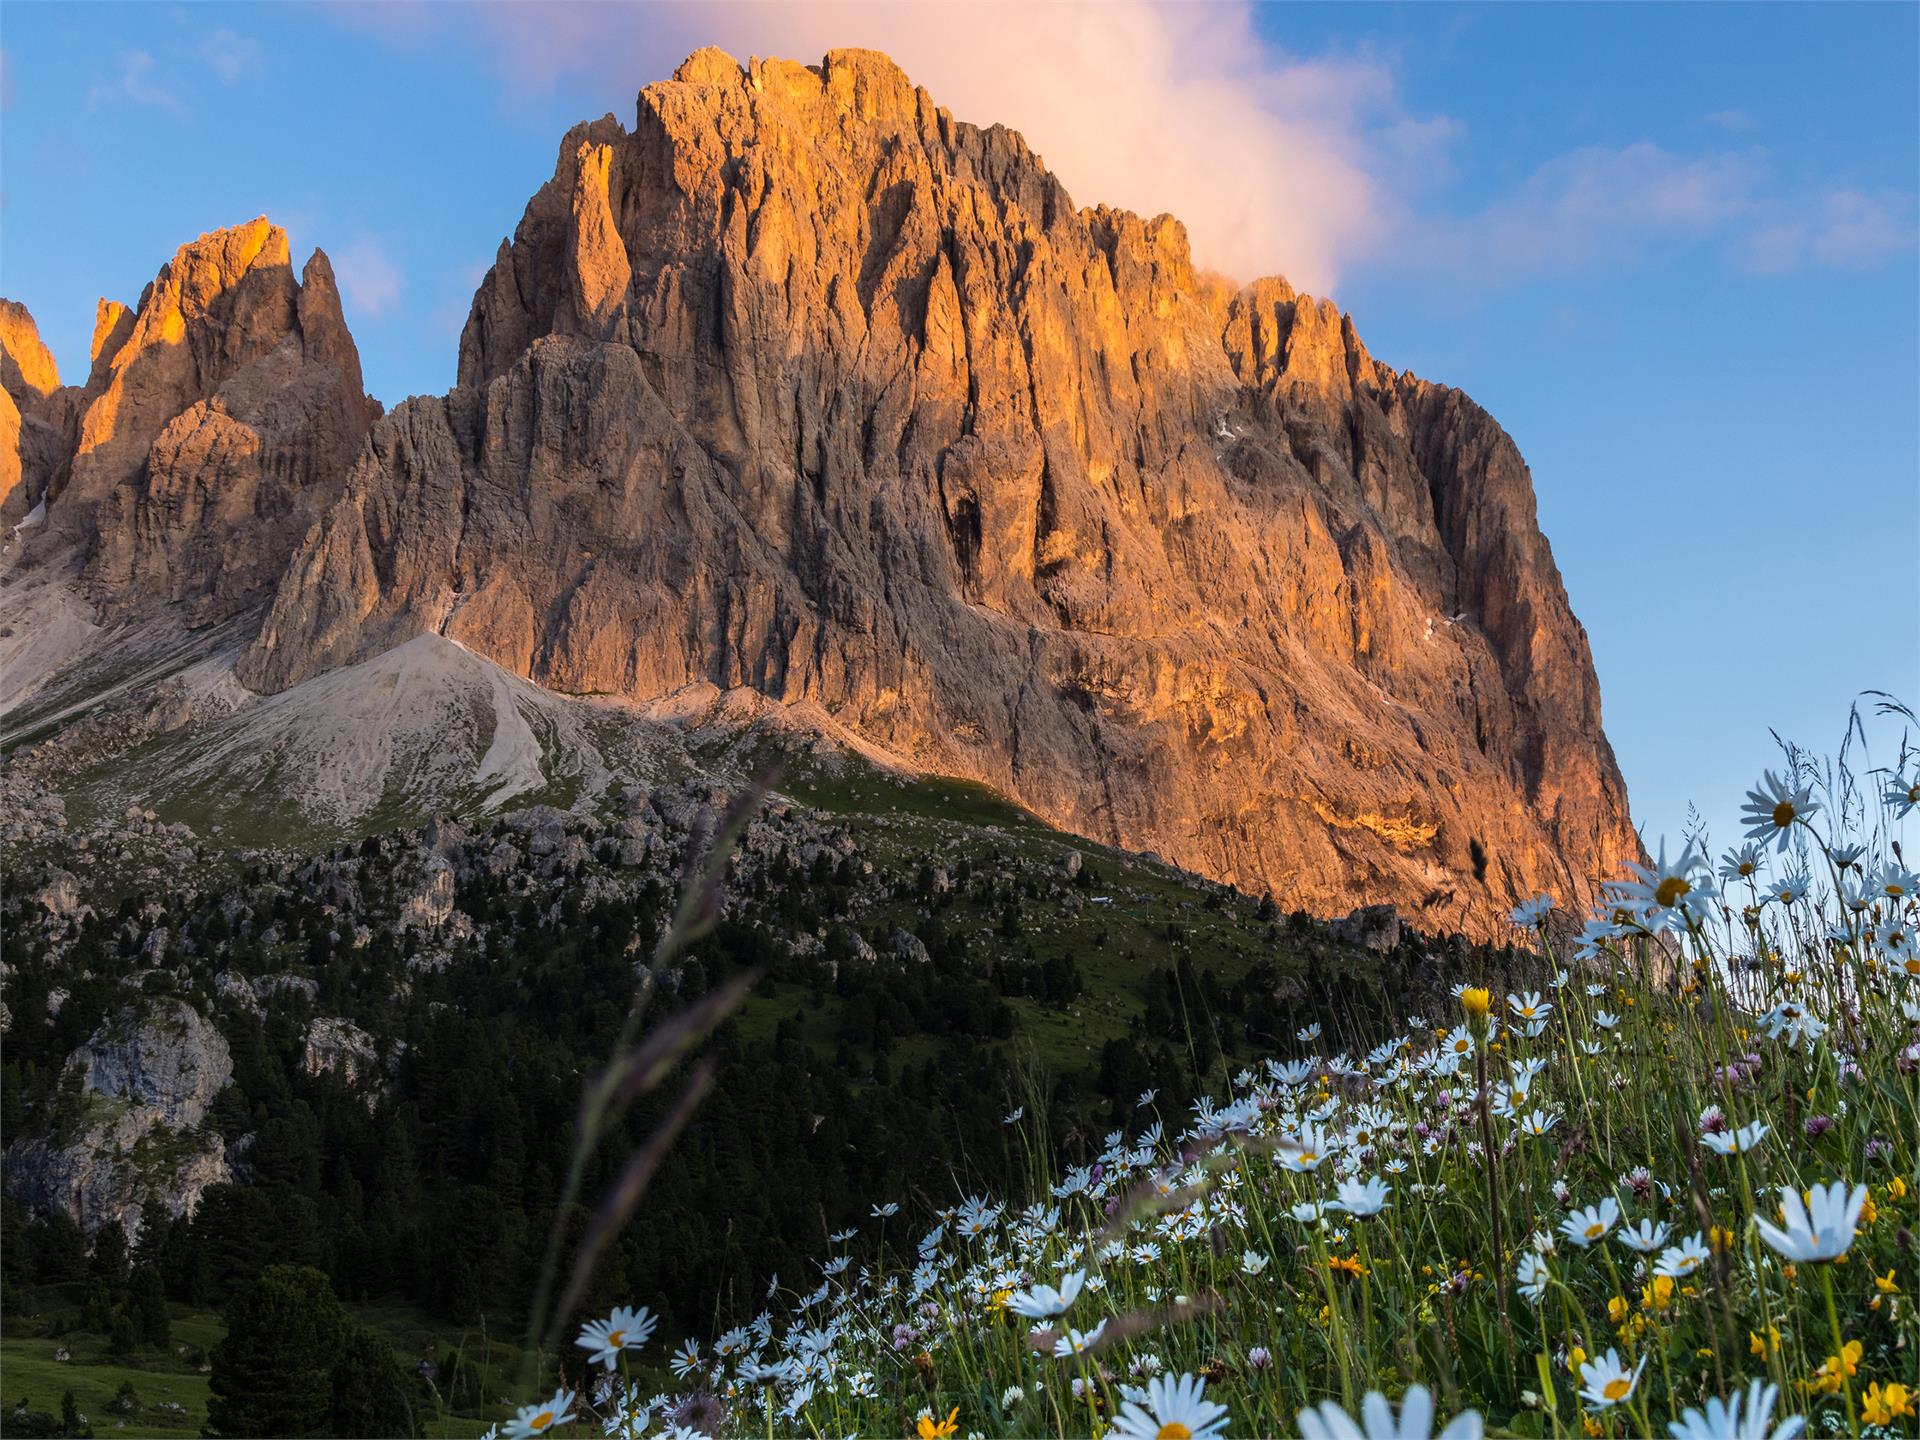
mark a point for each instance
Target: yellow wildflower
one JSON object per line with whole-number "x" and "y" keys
{"x": 1884, "y": 1284}
{"x": 1658, "y": 1295}
{"x": 1886, "y": 1403}
{"x": 1897, "y": 1188}
{"x": 1768, "y": 1346}
{"x": 1616, "y": 1309}
{"x": 1837, "y": 1369}
{"x": 1476, "y": 1000}
{"x": 929, "y": 1430}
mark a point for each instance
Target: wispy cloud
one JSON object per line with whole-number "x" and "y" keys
{"x": 1312, "y": 166}
{"x": 229, "y": 54}
{"x": 370, "y": 282}
{"x": 1840, "y": 230}
{"x": 1604, "y": 208}
{"x": 134, "y": 79}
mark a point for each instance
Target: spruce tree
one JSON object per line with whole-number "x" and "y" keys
{"x": 371, "y": 1393}
{"x": 273, "y": 1374}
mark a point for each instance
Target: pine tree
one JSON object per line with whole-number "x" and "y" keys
{"x": 109, "y": 1263}
{"x": 147, "y": 1305}
{"x": 371, "y": 1393}
{"x": 273, "y": 1374}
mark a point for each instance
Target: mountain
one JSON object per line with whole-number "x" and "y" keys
{"x": 801, "y": 388}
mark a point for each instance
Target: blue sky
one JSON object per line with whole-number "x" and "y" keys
{"x": 1672, "y": 249}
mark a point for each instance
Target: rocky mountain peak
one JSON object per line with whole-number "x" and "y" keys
{"x": 218, "y": 420}
{"x": 27, "y": 369}
{"x": 805, "y": 386}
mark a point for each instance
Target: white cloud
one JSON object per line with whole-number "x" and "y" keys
{"x": 228, "y": 54}
{"x": 1276, "y": 163}
{"x": 1841, "y": 230}
{"x": 1312, "y": 167}
{"x": 1604, "y": 208}
{"x": 133, "y": 80}
{"x": 370, "y": 283}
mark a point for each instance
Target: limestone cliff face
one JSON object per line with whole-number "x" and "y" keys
{"x": 803, "y": 385}
{"x": 146, "y": 1079}
{"x": 218, "y": 421}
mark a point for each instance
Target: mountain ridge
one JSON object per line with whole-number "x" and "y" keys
{"x": 803, "y": 386}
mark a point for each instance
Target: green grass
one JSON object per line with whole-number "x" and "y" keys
{"x": 94, "y": 1373}
{"x": 28, "y": 1371}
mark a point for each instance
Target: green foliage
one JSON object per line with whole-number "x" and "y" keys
{"x": 273, "y": 1374}
{"x": 372, "y": 1395}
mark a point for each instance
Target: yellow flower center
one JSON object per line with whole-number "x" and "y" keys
{"x": 1596, "y": 1230}
{"x": 1308, "y": 1157}
{"x": 1783, "y": 814}
{"x": 1174, "y": 1430}
{"x": 1670, "y": 890}
{"x": 541, "y": 1421}
{"x": 616, "y": 1338}
{"x": 1617, "y": 1389}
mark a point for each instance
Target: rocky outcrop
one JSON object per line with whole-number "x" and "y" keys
{"x": 147, "y": 1077}
{"x": 218, "y": 421}
{"x": 337, "y": 1046}
{"x": 35, "y": 416}
{"x": 805, "y": 386}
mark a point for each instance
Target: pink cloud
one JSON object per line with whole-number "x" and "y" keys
{"x": 1273, "y": 162}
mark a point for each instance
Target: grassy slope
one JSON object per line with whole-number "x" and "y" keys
{"x": 94, "y": 1374}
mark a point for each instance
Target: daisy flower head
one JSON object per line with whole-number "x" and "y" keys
{"x": 1043, "y": 1302}
{"x": 1305, "y": 1151}
{"x": 1821, "y": 1228}
{"x": 1533, "y": 1275}
{"x": 1605, "y": 1382}
{"x": 1773, "y": 807}
{"x": 1530, "y": 1006}
{"x": 1722, "y": 1420}
{"x": 1646, "y": 1237}
{"x": 1679, "y": 1261}
{"x": 1741, "y": 864}
{"x": 1361, "y": 1198}
{"x": 1902, "y": 794}
{"x": 1896, "y": 941}
{"x": 1077, "y": 1342}
{"x": 1668, "y": 895}
{"x": 1584, "y": 1227}
{"x": 542, "y": 1416}
{"x": 625, "y": 1329}
{"x": 1538, "y": 1123}
{"x": 1175, "y": 1408}
{"x": 1736, "y": 1142}
{"x": 1532, "y": 912}
{"x": 1328, "y": 1421}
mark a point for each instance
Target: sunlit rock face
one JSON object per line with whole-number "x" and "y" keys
{"x": 35, "y": 416}
{"x": 218, "y": 421}
{"x": 802, "y": 385}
